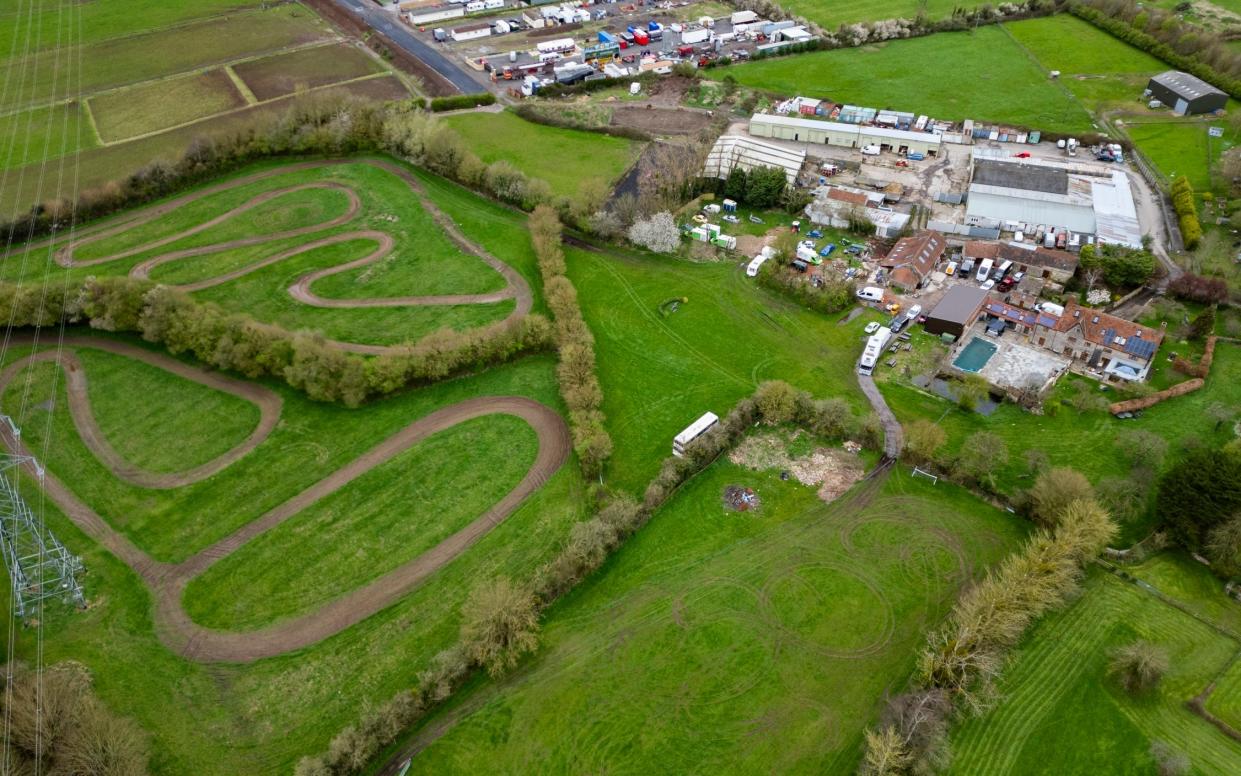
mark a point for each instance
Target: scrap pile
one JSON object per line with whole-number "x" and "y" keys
{"x": 740, "y": 499}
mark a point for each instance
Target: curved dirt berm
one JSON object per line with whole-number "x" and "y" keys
{"x": 168, "y": 581}
{"x": 516, "y": 286}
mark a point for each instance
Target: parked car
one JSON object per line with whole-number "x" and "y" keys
{"x": 872, "y": 327}
{"x": 1018, "y": 276}
{"x": 799, "y": 265}
{"x": 951, "y": 269}
{"x": 1007, "y": 284}
{"x": 827, "y": 249}
{"x": 854, "y": 249}
{"x": 988, "y": 285}
{"x": 1023, "y": 155}
{"x": 730, "y": 218}
{"x": 814, "y": 234}
{"x": 897, "y": 324}
{"x": 967, "y": 267}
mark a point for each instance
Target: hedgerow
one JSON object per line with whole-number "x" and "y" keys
{"x": 1186, "y": 212}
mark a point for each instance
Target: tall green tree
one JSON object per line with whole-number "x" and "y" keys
{"x": 1199, "y": 493}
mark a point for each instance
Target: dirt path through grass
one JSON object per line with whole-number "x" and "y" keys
{"x": 168, "y": 581}
{"x": 517, "y": 288}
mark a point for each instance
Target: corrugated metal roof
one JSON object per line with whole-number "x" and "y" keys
{"x": 1188, "y": 86}
{"x": 1013, "y": 175}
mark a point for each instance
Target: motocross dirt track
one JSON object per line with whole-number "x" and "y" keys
{"x": 167, "y": 581}
{"x": 517, "y": 287}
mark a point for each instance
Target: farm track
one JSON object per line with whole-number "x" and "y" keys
{"x": 168, "y": 581}
{"x": 517, "y": 287}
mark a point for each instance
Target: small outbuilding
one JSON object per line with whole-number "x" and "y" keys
{"x": 1185, "y": 93}
{"x": 956, "y": 311}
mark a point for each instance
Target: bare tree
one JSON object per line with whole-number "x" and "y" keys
{"x": 500, "y": 623}
{"x": 922, "y": 439}
{"x": 1054, "y": 490}
{"x": 1138, "y": 667}
{"x": 658, "y": 233}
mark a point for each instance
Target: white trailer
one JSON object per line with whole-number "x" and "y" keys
{"x": 873, "y": 350}
{"x": 557, "y": 46}
{"x": 690, "y": 37}
{"x": 692, "y": 432}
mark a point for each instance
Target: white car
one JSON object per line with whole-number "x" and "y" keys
{"x": 872, "y": 327}
{"x": 730, "y": 219}
{"x": 987, "y": 286}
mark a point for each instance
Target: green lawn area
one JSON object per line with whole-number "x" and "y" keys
{"x": 1100, "y": 70}
{"x": 158, "y": 105}
{"x": 305, "y": 69}
{"x": 830, "y": 15}
{"x": 660, "y": 372}
{"x": 1004, "y": 84}
{"x": 259, "y": 718}
{"x": 98, "y": 21}
{"x": 423, "y": 260}
{"x": 565, "y": 158}
{"x": 718, "y": 642}
{"x": 390, "y": 514}
{"x": 1182, "y": 147}
{"x": 140, "y": 52}
{"x": 1083, "y": 441}
{"x": 207, "y": 423}
{"x": 1059, "y": 713}
{"x": 43, "y": 134}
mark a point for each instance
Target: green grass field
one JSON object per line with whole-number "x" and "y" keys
{"x": 259, "y": 718}
{"x": 724, "y": 642}
{"x": 830, "y": 15}
{"x": 1059, "y": 713}
{"x": 562, "y": 157}
{"x": 180, "y": 409}
{"x": 1182, "y": 147}
{"x": 659, "y": 372}
{"x": 1004, "y": 85}
{"x": 283, "y": 74}
{"x": 158, "y": 105}
{"x": 392, "y": 513}
{"x": 43, "y": 134}
{"x": 423, "y": 260}
{"x": 1099, "y": 70}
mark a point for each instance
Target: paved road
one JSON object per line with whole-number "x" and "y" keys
{"x": 396, "y": 32}
{"x": 893, "y": 438}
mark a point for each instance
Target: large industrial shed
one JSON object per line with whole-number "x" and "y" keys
{"x": 956, "y": 311}
{"x": 1185, "y": 93}
{"x": 747, "y": 153}
{"x": 843, "y": 135}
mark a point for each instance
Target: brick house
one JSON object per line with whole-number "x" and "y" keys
{"x": 1098, "y": 344}
{"x": 912, "y": 259}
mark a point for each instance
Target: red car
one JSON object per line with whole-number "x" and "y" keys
{"x": 1023, "y": 155}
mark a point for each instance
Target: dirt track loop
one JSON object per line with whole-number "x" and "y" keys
{"x": 517, "y": 288}
{"x": 167, "y": 581}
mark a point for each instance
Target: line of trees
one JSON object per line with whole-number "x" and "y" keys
{"x": 1199, "y": 288}
{"x": 1186, "y": 212}
{"x": 579, "y": 383}
{"x": 238, "y": 342}
{"x": 55, "y": 724}
{"x": 1162, "y": 35}
{"x": 1119, "y": 266}
{"x": 501, "y": 618}
{"x": 962, "y": 659}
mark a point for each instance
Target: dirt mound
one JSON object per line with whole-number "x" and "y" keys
{"x": 832, "y": 471}
{"x": 661, "y": 121}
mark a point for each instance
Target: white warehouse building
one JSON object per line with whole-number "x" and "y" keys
{"x": 1004, "y": 192}
{"x": 844, "y": 135}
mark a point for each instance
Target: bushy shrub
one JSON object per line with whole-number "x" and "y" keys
{"x": 461, "y": 101}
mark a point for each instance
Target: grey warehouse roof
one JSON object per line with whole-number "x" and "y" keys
{"x": 960, "y": 304}
{"x": 1012, "y": 175}
{"x": 1188, "y": 86}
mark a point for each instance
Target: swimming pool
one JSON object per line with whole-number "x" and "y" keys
{"x": 975, "y": 355}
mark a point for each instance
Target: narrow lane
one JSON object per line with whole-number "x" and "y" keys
{"x": 395, "y": 31}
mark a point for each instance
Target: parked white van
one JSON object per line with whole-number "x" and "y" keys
{"x": 870, "y": 294}
{"x": 984, "y": 270}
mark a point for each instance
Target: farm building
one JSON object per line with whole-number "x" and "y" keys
{"x": 844, "y": 135}
{"x": 913, "y": 258}
{"x": 428, "y": 13}
{"x": 833, "y": 205}
{"x": 747, "y": 153}
{"x": 1018, "y": 195}
{"x": 471, "y": 31}
{"x": 1186, "y": 94}
{"x": 1054, "y": 266}
{"x": 956, "y": 311}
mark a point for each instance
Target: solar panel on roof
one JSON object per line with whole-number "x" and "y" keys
{"x": 1136, "y": 346}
